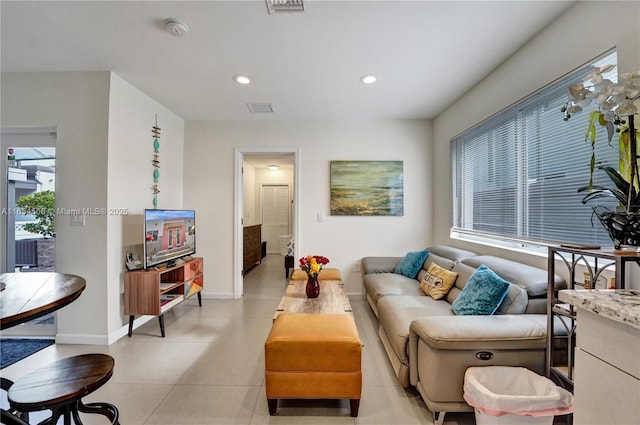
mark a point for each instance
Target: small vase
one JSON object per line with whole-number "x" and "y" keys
{"x": 313, "y": 288}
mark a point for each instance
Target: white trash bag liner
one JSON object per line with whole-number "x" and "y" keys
{"x": 496, "y": 391}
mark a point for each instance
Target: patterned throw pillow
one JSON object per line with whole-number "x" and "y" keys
{"x": 290, "y": 247}
{"x": 437, "y": 282}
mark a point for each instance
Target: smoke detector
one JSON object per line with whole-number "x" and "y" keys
{"x": 285, "y": 6}
{"x": 176, "y": 27}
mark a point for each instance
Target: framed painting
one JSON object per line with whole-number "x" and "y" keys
{"x": 367, "y": 188}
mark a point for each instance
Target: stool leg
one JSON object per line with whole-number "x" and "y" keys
{"x": 105, "y": 409}
{"x": 273, "y": 405}
{"x": 74, "y": 412}
{"x": 55, "y": 415}
{"x": 355, "y": 405}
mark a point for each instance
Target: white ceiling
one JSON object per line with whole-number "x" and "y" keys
{"x": 426, "y": 53}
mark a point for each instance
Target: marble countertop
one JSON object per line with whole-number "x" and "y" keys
{"x": 621, "y": 305}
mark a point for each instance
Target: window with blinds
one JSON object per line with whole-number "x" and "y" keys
{"x": 516, "y": 175}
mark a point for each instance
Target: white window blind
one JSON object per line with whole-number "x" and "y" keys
{"x": 516, "y": 175}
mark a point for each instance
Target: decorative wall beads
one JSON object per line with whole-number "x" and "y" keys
{"x": 155, "y": 132}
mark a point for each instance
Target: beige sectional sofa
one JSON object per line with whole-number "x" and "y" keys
{"x": 430, "y": 347}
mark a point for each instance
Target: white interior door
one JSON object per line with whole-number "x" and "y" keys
{"x": 275, "y": 215}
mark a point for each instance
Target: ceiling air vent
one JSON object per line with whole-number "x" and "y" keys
{"x": 285, "y": 6}
{"x": 260, "y": 108}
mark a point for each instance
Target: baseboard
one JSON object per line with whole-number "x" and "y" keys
{"x": 82, "y": 339}
{"x": 217, "y": 295}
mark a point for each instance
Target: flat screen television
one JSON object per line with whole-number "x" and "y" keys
{"x": 168, "y": 236}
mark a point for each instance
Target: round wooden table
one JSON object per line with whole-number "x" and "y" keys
{"x": 27, "y": 296}
{"x": 60, "y": 386}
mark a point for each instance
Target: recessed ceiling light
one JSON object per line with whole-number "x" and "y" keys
{"x": 242, "y": 79}
{"x": 274, "y": 167}
{"x": 368, "y": 79}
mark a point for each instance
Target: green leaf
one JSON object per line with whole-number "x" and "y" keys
{"x": 42, "y": 206}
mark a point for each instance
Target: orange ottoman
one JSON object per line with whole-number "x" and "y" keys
{"x": 313, "y": 356}
{"x": 326, "y": 273}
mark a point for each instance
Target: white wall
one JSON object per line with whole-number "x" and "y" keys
{"x": 130, "y": 176}
{"x": 344, "y": 240}
{"x": 104, "y": 149}
{"x": 584, "y": 32}
{"x": 250, "y": 210}
{"x": 77, "y": 104}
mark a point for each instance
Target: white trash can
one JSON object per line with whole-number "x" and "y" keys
{"x": 514, "y": 395}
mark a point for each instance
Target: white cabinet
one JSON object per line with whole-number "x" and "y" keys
{"x": 607, "y": 371}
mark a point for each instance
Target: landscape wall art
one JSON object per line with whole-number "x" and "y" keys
{"x": 367, "y": 188}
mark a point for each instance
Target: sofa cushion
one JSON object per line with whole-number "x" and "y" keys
{"x": 396, "y": 313}
{"x": 482, "y": 294}
{"x": 437, "y": 282}
{"x": 410, "y": 265}
{"x": 450, "y": 252}
{"x": 532, "y": 279}
{"x": 378, "y": 285}
{"x": 515, "y": 302}
{"x": 514, "y": 331}
{"x": 379, "y": 264}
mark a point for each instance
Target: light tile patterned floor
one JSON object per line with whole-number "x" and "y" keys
{"x": 210, "y": 368}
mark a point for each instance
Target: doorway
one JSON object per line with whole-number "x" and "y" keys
{"x": 27, "y": 231}
{"x": 252, "y": 174}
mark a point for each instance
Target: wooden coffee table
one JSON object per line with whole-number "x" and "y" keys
{"x": 332, "y": 299}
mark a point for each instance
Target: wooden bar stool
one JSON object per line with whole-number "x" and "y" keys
{"x": 61, "y": 385}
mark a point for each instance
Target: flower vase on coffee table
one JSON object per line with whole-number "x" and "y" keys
{"x": 313, "y": 288}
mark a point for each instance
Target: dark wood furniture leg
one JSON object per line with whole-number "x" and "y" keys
{"x": 273, "y": 405}
{"x": 354, "y": 403}
{"x": 288, "y": 264}
{"x": 200, "y": 299}
{"x": 161, "y": 320}
{"x": 131, "y": 324}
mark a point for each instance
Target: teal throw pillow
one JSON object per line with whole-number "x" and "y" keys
{"x": 411, "y": 264}
{"x": 482, "y": 294}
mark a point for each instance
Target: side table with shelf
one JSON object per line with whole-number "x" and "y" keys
{"x": 595, "y": 261}
{"x": 155, "y": 291}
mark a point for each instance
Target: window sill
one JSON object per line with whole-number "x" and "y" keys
{"x": 520, "y": 246}
{"x": 513, "y": 245}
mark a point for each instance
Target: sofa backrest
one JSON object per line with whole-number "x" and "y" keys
{"x": 531, "y": 279}
{"x": 443, "y": 255}
{"x": 452, "y": 253}
{"x": 515, "y": 302}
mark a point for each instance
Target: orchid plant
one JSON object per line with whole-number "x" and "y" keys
{"x": 616, "y": 113}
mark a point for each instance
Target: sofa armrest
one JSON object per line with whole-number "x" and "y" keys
{"x": 379, "y": 264}
{"x": 509, "y": 331}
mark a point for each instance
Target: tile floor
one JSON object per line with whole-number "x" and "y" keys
{"x": 210, "y": 368}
